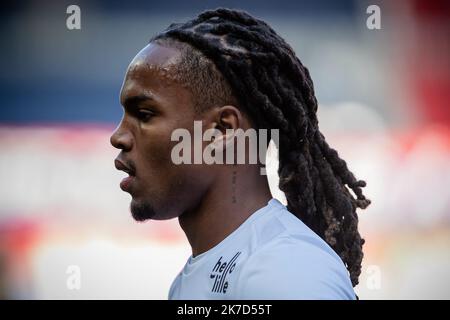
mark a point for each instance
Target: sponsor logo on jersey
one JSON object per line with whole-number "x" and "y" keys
{"x": 220, "y": 272}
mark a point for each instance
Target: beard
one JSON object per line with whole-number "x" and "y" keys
{"x": 142, "y": 211}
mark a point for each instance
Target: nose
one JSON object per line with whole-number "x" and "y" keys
{"x": 121, "y": 138}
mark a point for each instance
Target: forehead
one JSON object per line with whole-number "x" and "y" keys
{"x": 153, "y": 69}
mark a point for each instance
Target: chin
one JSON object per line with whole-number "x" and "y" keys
{"x": 143, "y": 210}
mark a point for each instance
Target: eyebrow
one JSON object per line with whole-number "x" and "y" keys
{"x": 135, "y": 100}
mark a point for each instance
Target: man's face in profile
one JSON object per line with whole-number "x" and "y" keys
{"x": 155, "y": 104}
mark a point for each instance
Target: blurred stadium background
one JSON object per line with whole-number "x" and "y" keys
{"x": 383, "y": 98}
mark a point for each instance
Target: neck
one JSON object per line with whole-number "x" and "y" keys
{"x": 231, "y": 199}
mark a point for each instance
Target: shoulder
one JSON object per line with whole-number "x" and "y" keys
{"x": 175, "y": 282}
{"x": 295, "y": 267}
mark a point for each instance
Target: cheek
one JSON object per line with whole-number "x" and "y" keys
{"x": 156, "y": 154}
{"x": 165, "y": 183}
{"x": 156, "y": 145}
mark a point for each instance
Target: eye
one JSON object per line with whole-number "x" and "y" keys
{"x": 144, "y": 115}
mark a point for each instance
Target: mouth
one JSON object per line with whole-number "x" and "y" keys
{"x": 126, "y": 183}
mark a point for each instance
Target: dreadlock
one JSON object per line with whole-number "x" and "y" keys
{"x": 275, "y": 90}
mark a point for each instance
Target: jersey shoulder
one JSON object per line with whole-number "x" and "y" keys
{"x": 294, "y": 266}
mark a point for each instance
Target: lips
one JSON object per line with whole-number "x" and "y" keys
{"x": 120, "y": 165}
{"x": 125, "y": 184}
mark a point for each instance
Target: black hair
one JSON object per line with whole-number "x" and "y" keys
{"x": 270, "y": 84}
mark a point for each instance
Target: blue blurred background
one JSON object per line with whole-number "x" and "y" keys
{"x": 383, "y": 98}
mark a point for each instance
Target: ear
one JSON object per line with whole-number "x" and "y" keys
{"x": 229, "y": 117}
{"x": 223, "y": 118}
{"x": 224, "y": 121}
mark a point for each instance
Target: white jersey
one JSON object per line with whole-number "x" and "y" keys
{"x": 272, "y": 255}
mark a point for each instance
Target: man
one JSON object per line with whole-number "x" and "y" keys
{"x": 231, "y": 71}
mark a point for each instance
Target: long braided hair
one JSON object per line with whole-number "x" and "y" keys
{"x": 275, "y": 90}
